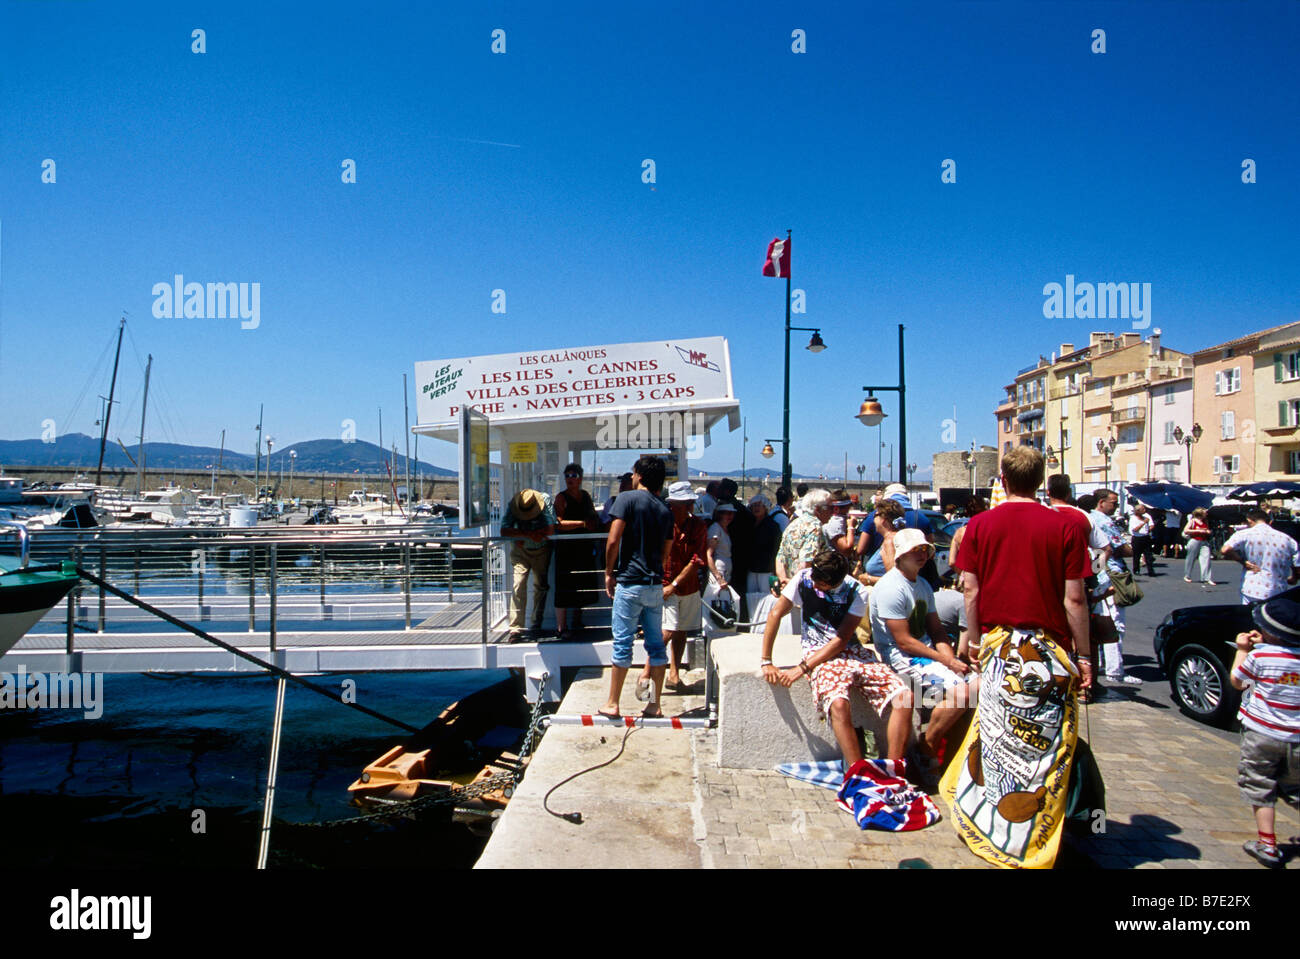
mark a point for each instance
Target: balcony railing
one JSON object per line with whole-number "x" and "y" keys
{"x": 1061, "y": 392}
{"x": 1129, "y": 415}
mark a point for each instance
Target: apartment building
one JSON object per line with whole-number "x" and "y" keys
{"x": 1276, "y": 363}
{"x": 1073, "y": 404}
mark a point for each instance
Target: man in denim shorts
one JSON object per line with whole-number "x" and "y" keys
{"x": 639, "y": 539}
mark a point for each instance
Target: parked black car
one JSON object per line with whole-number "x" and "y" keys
{"x": 1195, "y": 647}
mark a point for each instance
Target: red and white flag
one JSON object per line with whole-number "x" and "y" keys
{"x": 778, "y": 258}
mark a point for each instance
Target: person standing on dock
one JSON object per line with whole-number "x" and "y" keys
{"x": 1024, "y": 568}
{"x": 639, "y": 539}
{"x": 529, "y": 521}
{"x": 683, "y": 604}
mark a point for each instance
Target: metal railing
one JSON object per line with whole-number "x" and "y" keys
{"x": 381, "y": 576}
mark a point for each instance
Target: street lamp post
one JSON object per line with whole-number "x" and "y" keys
{"x": 815, "y": 345}
{"x": 1187, "y": 439}
{"x": 1108, "y": 448}
{"x": 871, "y": 414}
{"x": 293, "y": 458}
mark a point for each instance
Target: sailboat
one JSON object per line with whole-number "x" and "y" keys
{"x": 27, "y": 592}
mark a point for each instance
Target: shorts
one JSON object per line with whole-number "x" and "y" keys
{"x": 834, "y": 679}
{"x": 1269, "y": 768}
{"x": 933, "y": 680}
{"x": 683, "y": 614}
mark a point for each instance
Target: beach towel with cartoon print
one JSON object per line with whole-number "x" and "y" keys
{"x": 1008, "y": 783}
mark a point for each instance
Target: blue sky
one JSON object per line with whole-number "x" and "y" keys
{"x": 225, "y": 166}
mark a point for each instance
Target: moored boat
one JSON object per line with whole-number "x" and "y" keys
{"x": 27, "y": 593}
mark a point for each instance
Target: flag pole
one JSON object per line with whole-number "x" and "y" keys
{"x": 785, "y": 422}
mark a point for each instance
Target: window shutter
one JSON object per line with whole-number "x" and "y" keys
{"x": 1283, "y": 413}
{"x": 1218, "y": 465}
{"x": 1277, "y": 367}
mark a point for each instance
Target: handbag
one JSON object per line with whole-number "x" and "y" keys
{"x": 1102, "y": 630}
{"x": 1127, "y": 592}
{"x": 1086, "y": 802}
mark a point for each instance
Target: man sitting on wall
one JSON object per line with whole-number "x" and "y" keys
{"x": 835, "y": 663}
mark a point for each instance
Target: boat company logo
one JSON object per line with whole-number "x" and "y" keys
{"x": 1099, "y": 301}
{"x": 75, "y": 912}
{"x": 211, "y": 301}
{"x": 24, "y": 690}
{"x": 697, "y": 358}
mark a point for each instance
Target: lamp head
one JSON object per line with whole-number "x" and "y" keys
{"x": 815, "y": 345}
{"x": 871, "y": 413}
{"x": 767, "y": 451}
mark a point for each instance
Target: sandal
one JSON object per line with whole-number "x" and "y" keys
{"x": 613, "y": 715}
{"x": 656, "y": 714}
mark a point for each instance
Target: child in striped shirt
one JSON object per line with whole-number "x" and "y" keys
{"x": 1268, "y": 665}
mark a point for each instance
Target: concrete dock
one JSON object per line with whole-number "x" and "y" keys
{"x": 1172, "y": 801}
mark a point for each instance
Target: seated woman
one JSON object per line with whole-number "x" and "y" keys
{"x": 889, "y": 520}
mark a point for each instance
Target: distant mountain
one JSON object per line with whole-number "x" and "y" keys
{"x": 314, "y": 456}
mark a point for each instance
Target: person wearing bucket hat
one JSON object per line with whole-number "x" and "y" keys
{"x": 908, "y": 635}
{"x": 683, "y": 606}
{"x": 529, "y": 521}
{"x": 1267, "y": 669}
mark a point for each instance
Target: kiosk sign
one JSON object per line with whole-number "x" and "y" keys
{"x": 590, "y": 380}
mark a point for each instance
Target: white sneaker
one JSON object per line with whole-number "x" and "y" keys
{"x": 1125, "y": 680}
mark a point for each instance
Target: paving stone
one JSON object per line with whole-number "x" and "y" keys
{"x": 741, "y": 846}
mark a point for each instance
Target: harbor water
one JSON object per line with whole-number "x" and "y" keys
{"x": 173, "y": 774}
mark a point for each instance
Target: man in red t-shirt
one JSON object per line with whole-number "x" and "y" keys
{"x": 1024, "y": 568}
{"x": 683, "y": 605}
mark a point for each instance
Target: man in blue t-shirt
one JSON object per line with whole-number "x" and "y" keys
{"x": 640, "y": 536}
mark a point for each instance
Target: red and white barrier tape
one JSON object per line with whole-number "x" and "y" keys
{"x": 666, "y": 722}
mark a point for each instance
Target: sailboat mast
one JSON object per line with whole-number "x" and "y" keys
{"x": 139, "y": 476}
{"x": 220, "y": 456}
{"x": 406, "y": 410}
{"x": 103, "y": 437}
{"x": 257, "y": 465}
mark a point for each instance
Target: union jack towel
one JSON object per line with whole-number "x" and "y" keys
{"x": 828, "y": 773}
{"x": 878, "y": 798}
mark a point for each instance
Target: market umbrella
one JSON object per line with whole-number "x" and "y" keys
{"x": 1265, "y": 489}
{"x": 1176, "y": 496}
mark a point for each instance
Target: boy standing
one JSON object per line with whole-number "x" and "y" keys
{"x": 1268, "y": 661}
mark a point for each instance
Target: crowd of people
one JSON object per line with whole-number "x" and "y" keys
{"x": 1035, "y": 589}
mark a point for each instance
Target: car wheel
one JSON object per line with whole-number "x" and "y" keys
{"x": 1200, "y": 686}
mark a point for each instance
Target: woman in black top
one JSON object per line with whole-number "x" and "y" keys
{"x": 577, "y": 571}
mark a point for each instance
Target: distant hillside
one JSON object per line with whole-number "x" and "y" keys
{"x": 314, "y": 456}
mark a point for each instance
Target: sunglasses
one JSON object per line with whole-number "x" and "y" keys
{"x": 573, "y": 476}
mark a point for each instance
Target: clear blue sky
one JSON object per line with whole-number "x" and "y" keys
{"x": 226, "y": 167}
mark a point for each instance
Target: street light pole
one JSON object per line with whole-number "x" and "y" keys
{"x": 870, "y": 414}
